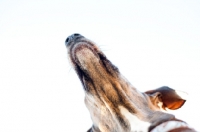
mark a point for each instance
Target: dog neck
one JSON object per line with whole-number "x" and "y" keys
{"x": 174, "y": 125}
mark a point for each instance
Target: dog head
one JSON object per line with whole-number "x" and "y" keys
{"x": 114, "y": 104}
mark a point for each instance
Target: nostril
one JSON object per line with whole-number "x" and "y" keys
{"x": 67, "y": 40}
{"x": 76, "y": 34}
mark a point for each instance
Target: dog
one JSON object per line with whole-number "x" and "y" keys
{"x": 113, "y": 103}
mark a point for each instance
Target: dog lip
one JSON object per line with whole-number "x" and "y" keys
{"x": 81, "y": 47}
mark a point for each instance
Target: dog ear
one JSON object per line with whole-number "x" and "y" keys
{"x": 166, "y": 97}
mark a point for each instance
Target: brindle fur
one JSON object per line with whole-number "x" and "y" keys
{"x": 106, "y": 90}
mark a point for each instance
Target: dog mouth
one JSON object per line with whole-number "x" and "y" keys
{"x": 89, "y": 62}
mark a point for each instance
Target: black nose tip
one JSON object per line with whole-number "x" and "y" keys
{"x": 76, "y": 34}
{"x": 72, "y": 37}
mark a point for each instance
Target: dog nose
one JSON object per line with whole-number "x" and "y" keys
{"x": 71, "y": 38}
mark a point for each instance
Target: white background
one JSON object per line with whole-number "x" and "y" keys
{"x": 153, "y": 43}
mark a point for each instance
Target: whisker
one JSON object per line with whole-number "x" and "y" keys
{"x": 70, "y": 68}
{"x": 104, "y": 49}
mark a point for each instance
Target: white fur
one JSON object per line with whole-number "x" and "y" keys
{"x": 170, "y": 125}
{"x": 136, "y": 124}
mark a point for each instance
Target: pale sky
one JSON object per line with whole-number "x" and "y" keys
{"x": 153, "y": 43}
